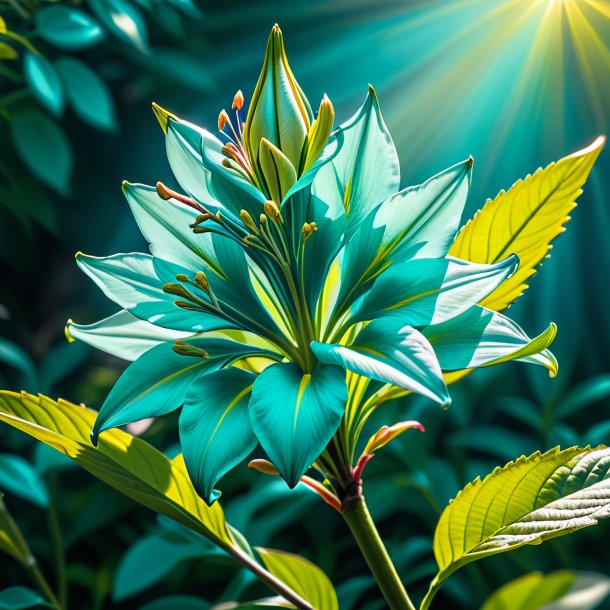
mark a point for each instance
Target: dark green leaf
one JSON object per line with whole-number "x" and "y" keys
{"x": 68, "y": 28}
{"x": 20, "y": 598}
{"x": 18, "y": 477}
{"x": 124, "y": 20}
{"x": 44, "y": 83}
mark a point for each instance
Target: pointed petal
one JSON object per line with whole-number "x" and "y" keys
{"x": 481, "y": 337}
{"x": 367, "y": 164}
{"x": 432, "y": 290}
{"x": 122, "y": 335}
{"x": 165, "y": 226}
{"x": 132, "y": 281}
{"x": 215, "y": 429}
{"x": 390, "y": 352}
{"x": 157, "y": 382}
{"x": 294, "y": 415}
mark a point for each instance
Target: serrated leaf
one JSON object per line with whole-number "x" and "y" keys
{"x": 527, "y": 501}
{"x": 561, "y": 590}
{"x": 302, "y": 576}
{"x": 124, "y": 462}
{"x": 525, "y": 220}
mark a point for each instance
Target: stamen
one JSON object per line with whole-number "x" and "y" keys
{"x": 247, "y": 220}
{"x": 177, "y": 290}
{"x": 166, "y": 193}
{"x": 271, "y": 209}
{"x": 223, "y": 119}
{"x": 238, "y": 101}
{"x": 180, "y": 277}
{"x": 186, "y": 349}
{"x": 309, "y": 228}
{"x": 202, "y": 281}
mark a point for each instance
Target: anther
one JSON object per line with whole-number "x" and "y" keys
{"x": 223, "y": 119}
{"x": 199, "y": 230}
{"x": 186, "y": 349}
{"x": 238, "y": 101}
{"x": 180, "y": 277}
{"x": 202, "y": 281}
{"x": 271, "y": 209}
{"x": 309, "y": 228}
{"x": 163, "y": 191}
{"x": 247, "y": 219}
{"x": 177, "y": 290}
{"x": 263, "y": 219}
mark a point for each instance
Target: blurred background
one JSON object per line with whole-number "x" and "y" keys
{"x": 516, "y": 83}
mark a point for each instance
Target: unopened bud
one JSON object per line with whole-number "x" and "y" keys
{"x": 263, "y": 219}
{"x": 247, "y": 219}
{"x": 176, "y": 289}
{"x": 202, "y": 281}
{"x": 223, "y": 119}
{"x": 271, "y": 210}
{"x": 180, "y": 277}
{"x": 238, "y": 101}
{"x": 264, "y": 466}
{"x": 186, "y": 349}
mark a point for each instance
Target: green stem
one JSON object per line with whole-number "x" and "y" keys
{"x": 43, "y": 586}
{"x": 58, "y": 545}
{"x": 264, "y": 576}
{"x": 361, "y": 524}
{"x": 435, "y": 585}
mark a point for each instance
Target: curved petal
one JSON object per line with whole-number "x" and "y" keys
{"x": 481, "y": 337}
{"x": 122, "y": 335}
{"x": 215, "y": 429}
{"x": 367, "y": 165}
{"x": 390, "y": 352}
{"x": 418, "y": 222}
{"x": 132, "y": 281}
{"x": 294, "y": 415}
{"x": 432, "y": 290}
{"x": 165, "y": 226}
{"x": 157, "y": 382}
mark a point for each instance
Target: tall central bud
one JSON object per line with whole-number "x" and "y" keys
{"x": 279, "y": 116}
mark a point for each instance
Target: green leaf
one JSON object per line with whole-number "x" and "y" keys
{"x": 302, "y": 576}
{"x": 20, "y": 598}
{"x": 124, "y": 20}
{"x": 7, "y": 52}
{"x": 14, "y": 356}
{"x": 587, "y": 393}
{"x": 174, "y": 602}
{"x": 44, "y": 148}
{"x": 87, "y": 93}
{"x": 67, "y": 28}
{"x": 562, "y": 590}
{"x": 268, "y": 602}
{"x": 525, "y": 220}
{"x": 11, "y": 540}
{"x": 18, "y": 477}
{"x": 43, "y": 81}
{"x": 128, "y": 464}
{"x": 527, "y": 501}
{"x": 152, "y": 558}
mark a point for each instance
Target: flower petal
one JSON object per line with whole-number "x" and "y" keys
{"x": 157, "y": 382}
{"x": 122, "y": 335}
{"x": 294, "y": 415}
{"x": 165, "y": 226}
{"x": 481, "y": 337}
{"x": 432, "y": 290}
{"x": 418, "y": 222}
{"x": 390, "y": 352}
{"x": 215, "y": 429}
{"x": 132, "y": 281}
{"x": 367, "y": 165}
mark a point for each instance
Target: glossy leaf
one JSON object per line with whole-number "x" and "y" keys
{"x": 527, "y": 501}
{"x": 128, "y": 464}
{"x": 21, "y": 598}
{"x": 302, "y": 576}
{"x": 87, "y": 94}
{"x": 68, "y": 28}
{"x": 268, "y": 602}
{"x": 44, "y": 148}
{"x": 44, "y": 83}
{"x": 124, "y": 20}
{"x": 525, "y": 220}
{"x": 562, "y": 590}
{"x": 18, "y": 477}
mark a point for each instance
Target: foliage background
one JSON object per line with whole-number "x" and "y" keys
{"x": 515, "y": 83}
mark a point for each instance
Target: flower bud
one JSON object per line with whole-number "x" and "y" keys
{"x": 278, "y": 172}
{"x": 279, "y": 110}
{"x": 319, "y": 133}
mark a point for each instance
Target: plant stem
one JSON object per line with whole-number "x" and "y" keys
{"x": 435, "y": 585}
{"x": 358, "y": 518}
{"x": 271, "y": 581}
{"x": 58, "y": 544}
{"x": 42, "y": 584}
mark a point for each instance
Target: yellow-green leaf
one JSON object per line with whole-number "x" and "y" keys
{"x": 527, "y": 501}
{"x": 124, "y": 462}
{"x": 301, "y": 576}
{"x": 525, "y": 220}
{"x": 561, "y": 590}
{"x": 7, "y": 52}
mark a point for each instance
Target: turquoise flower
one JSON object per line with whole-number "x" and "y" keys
{"x": 292, "y": 265}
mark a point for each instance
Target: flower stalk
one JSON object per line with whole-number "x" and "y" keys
{"x": 360, "y": 523}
